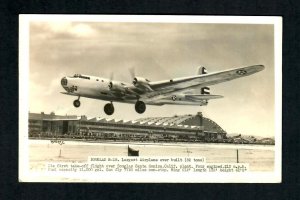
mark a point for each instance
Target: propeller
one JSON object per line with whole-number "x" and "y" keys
{"x": 132, "y": 73}
{"x": 134, "y": 81}
{"x": 111, "y": 77}
{"x": 110, "y": 84}
{"x": 161, "y": 70}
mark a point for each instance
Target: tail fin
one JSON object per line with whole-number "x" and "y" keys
{"x": 204, "y": 90}
{"x": 202, "y": 70}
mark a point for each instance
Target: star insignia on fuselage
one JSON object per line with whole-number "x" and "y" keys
{"x": 174, "y": 97}
{"x": 241, "y": 72}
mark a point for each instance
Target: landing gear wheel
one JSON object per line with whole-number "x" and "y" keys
{"x": 109, "y": 109}
{"x": 140, "y": 107}
{"x": 76, "y": 103}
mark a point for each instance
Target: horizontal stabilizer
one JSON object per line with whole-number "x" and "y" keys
{"x": 68, "y": 93}
{"x": 65, "y": 92}
{"x": 204, "y": 97}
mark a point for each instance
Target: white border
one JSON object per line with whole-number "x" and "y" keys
{"x": 251, "y": 177}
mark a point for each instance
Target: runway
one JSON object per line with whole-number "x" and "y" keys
{"x": 259, "y": 157}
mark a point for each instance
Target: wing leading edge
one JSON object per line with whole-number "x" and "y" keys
{"x": 197, "y": 81}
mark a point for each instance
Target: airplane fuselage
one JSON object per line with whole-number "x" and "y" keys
{"x": 142, "y": 91}
{"x": 90, "y": 87}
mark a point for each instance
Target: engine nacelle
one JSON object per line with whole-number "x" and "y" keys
{"x": 140, "y": 81}
{"x": 116, "y": 86}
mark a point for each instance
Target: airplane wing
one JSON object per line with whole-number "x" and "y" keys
{"x": 182, "y": 99}
{"x": 197, "y": 81}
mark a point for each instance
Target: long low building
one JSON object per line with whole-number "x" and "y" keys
{"x": 180, "y": 127}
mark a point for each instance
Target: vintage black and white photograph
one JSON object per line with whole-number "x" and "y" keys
{"x": 124, "y": 98}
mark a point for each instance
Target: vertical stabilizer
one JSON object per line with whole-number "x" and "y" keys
{"x": 202, "y": 70}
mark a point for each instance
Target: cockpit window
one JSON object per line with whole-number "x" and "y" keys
{"x": 81, "y": 76}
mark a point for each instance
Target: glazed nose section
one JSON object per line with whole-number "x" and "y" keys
{"x": 64, "y": 82}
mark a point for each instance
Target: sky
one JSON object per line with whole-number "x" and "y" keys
{"x": 156, "y": 51}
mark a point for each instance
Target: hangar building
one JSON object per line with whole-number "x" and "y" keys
{"x": 171, "y": 128}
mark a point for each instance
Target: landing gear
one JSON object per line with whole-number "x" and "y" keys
{"x": 140, "y": 107}
{"x": 109, "y": 109}
{"x": 76, "y": 103}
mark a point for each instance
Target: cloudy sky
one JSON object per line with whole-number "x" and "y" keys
{"x": 156, "y": 51}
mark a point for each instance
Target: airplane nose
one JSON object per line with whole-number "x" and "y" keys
{"x": 64, "y": 81}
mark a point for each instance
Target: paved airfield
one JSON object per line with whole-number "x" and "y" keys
{"x": 259, "y": 157}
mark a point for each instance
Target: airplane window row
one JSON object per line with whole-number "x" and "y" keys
{"x": 80, "y": 76}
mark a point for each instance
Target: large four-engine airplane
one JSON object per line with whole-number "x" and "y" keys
{"x": 179, "y": 91}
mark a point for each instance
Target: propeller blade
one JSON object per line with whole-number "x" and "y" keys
{"x": 132, "y": 72}
{"x": 111, "y": 77}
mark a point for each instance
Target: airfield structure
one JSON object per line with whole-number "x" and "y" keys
{"x": 181, "y": 127}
